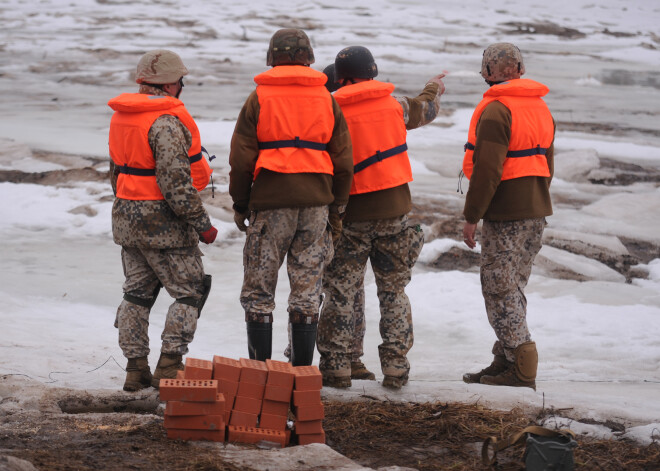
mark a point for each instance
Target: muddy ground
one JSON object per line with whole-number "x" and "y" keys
{"x": 118, "y": 431}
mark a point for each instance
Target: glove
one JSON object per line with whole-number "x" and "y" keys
{"x": 335, "y": 223}
{"x": 209, "y": 235}
{"x": 240, "y": 218}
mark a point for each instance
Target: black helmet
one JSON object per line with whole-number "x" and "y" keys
{"x": 355, "y": 62}
{"x": 331, "y": 85}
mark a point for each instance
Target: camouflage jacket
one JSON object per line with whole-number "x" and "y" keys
{"x": 395, "y": 202}
{"x": 175, "y": 221}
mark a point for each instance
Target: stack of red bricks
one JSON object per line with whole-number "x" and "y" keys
{"x": 250, "y": 398}
{"x": 307, "y": 405}
{"x": 195, "y": 409}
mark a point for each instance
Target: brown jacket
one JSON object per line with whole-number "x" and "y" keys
{"x": 395, "y": 202}
{"x": 273, "y": 190}
{"x": 490, "y": 198}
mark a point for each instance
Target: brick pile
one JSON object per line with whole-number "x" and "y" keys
{"x": 244, "y": 401}
{"x": 307, "y": 406}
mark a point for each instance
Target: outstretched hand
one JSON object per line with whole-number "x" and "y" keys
{"x": 438, "y": 79}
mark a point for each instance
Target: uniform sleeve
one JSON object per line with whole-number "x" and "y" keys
{"x": 492, "y": 142}
{"x": 113, "y": 174}
{"x": 423, "y": 108}
{"x": 170, "y": 140}
{"x": 243, "y": 153}
{"x": 340, "y": 149}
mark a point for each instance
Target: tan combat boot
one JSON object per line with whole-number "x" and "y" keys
{"x": 339, "y": 382}
{"x": 359, "y": 371}
{"x": 395, "y": 382}
{"x": 522, "y": 373}
{"x": 167, "y": 367}
{"x": 138, "y": 374}
{"x": 499, "y": 365}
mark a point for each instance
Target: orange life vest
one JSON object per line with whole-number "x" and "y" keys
{"x": 134, "y": 115}
{"x": 378, "y": 133}
{"x": 296, "y": 121}
{"x": 532, "y": 128}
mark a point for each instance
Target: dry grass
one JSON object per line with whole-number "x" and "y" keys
{"x": 434, "y": 436}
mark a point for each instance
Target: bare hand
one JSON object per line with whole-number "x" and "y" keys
{"x": 469, "y": 234}
{"x": 240, "y": 218}
{"x": 438, "y": 79}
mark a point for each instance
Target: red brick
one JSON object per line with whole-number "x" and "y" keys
{"x": 253, "y": 371}
{"x": 198, "y": 369}
{"x": 308, "y": 378}
{"x": 196, "y": 408}
{"x": 277, "y": 393}
{"x": 311, "y": 438}
{"x": 307, "y": 427}
{"x": 307, "y": 398}
{"x": 255, "y": 435}
{"x": 275, "y": 408}
{"x": 188, "y": 390}
{"x": 229, "y": 402}
{"x": 309, "y": 412}
{"x": 184, "y": 434}
{"x": 280, "y": 373}
{"x": 253, "y": 390}
{"x": 227, "y": 387}
{"x": 272, "y": 422}
{"x": 227, "y": 415}
{"x": 226, "y": 368}
{"x": 195, "y": 422}
{"x": 247, "y": 404}
{"x": 180, "y": 374}
{"x": 244, "y": 419}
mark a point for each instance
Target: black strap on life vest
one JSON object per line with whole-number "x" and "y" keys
{"x": 151, "y": 172}
{"x": 297, "y": 142}
{"x": 379, "y": 156}
{"x": 538, "y": 150}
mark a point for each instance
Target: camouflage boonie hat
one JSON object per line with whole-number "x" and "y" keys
{"x": 160, "y": 66}
{"x": 289, "y": 46}
{"x": 501, "y": 62}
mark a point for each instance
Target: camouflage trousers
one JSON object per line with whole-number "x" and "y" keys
{"x": 180, "y": 272}
{"x": 392, "y": 246}
{"x": 508, "y": 249}
{"x": 302, "y": 235}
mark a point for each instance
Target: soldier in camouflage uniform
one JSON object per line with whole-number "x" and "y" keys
{"x": 509, "y": 161}
{"x": 375, "y": 225}
{"x": 291, "y": 165}
{"x": 158, "y": 217}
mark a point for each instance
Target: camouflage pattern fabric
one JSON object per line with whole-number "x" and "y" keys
{"x": 502, "y": 61}
{"x": 175, "y": 221}
{"x": 392, "y": 246}
{"x": 180, "y": 271}
{"x": 303, "y": 236}
{"x": 360, "y": 324}
{"x": 422, "y": 109}
{"x": 507, "y": 254}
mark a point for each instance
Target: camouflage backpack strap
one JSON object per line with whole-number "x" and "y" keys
{"x": 517, "y": 439}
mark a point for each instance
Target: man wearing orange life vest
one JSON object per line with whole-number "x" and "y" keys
{"x": 509, "y": 161}
{"x": 157, "y": 169}
{"x": 375, "y": 226}
{"x": 291, "y": 166}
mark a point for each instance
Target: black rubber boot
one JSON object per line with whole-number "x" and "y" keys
{"x": 303, "y": 342}
{"x": 260, "y": 340}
